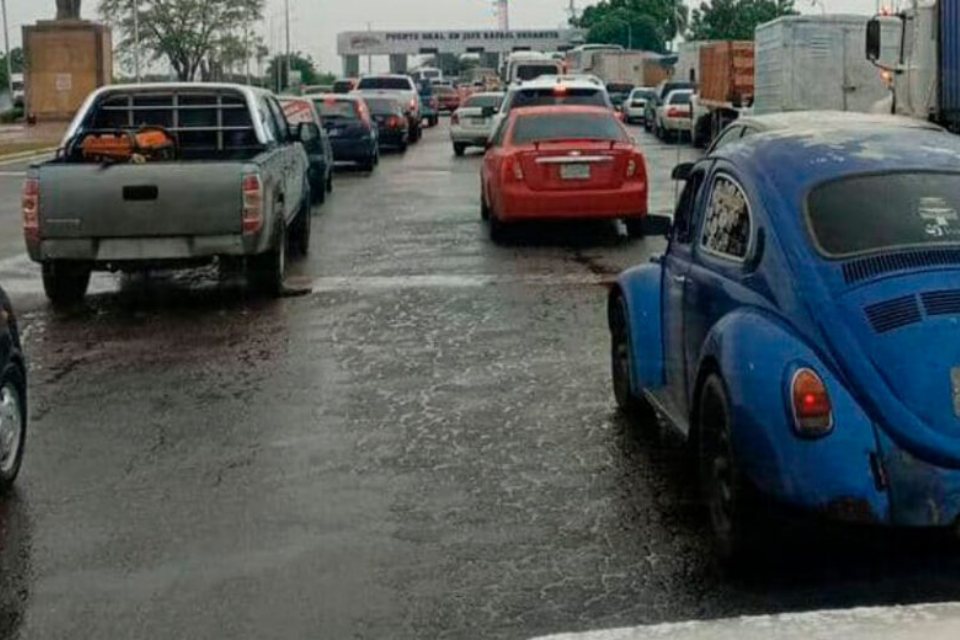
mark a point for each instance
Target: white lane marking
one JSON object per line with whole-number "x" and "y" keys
{"x": 915, "y": 622}
{"x": 28, "y": 159}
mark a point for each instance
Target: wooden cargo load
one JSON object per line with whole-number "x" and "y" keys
{"x": 655, "y": 71}
{"x": 727, "y": 72}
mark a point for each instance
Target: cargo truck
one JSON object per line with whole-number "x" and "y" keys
{"x": 726, "y": 88}
{"x": 816, "y": 63}
{"x": 925, "y": 77}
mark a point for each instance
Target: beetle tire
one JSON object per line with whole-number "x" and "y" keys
{"x": 727, "y": 495}
{"x": 637, "y": 408}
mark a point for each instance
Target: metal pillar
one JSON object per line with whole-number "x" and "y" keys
{"x": 351, "y": 66}
{"x": 398, "y": 63}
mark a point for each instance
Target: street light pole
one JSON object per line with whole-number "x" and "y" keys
{"x": 136, "y": 39}
{"x": 6, "y": 46}
{"x": 289, "y": 61}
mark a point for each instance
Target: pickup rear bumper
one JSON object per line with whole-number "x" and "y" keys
{"x": 113, "y": 252}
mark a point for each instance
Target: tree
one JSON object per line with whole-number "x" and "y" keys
{"x": 299, "y": 62}
{"x": 651, "y": 23}
{"x": 735, "y": 19}
{"x": 185, "y": 32}
{"x": 16, "y": 62}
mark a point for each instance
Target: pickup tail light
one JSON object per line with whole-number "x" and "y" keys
{"x": 252, "y": 203}
{"x": 455, "y": 118}
{"x": 31, "y": 207}
{"x": 812, "y": 410}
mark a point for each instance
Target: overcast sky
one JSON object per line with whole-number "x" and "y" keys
{"x": 317, "y": 22}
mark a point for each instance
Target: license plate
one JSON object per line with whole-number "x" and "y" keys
{"x": 575, "y": 171}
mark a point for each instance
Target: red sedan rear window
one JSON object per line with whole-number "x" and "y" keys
{"x": 567, "y": 126}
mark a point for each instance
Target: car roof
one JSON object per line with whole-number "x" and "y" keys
{"x": 827, "y": 119}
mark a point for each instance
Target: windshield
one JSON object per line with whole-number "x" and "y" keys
{"x": 681, "y": 97}
{"x": 642, "y": 94}
{"x": 558, "y": 96}
{"x": 918, "y": 209}
{"x": 532, "y": 71}
{"x": 392, "y": 84}
{"x": 567, "y": 126}
{"x": 338, "y": 109}
{"x": 484, "y": 101}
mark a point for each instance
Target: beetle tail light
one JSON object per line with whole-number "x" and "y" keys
{"x": 812, "y": 409}
{"x": 31, "y": 207}
{"x": 252, "y": 190}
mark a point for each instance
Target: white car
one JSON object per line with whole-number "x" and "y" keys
{"x": 400, "y": 88}
{"x": 553, "y": 90}
{"x": 634, "y": 107}
{"x": 674, "y": 116}
{"x": 472, "y": 124}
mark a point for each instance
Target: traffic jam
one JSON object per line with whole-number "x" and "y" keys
{"x": 556, "y": 348}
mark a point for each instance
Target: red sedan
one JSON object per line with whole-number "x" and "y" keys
{"x": 563, "y": 163}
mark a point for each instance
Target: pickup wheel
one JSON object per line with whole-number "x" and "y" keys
{"x": 729, "y": 498}
{"x": 637, "y": 408}
{"x": 13, "y": 424}
{"x": 300, "y": 230}
{"x": 65, "y": 283}
{"x": 265, "y": 271}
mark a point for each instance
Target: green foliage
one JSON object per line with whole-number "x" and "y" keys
{"x": 735, "y": 19}
{"x": 190, "y": 34}
{"x": 644, "y": 24}
{"x": 16, "y": 57}
{"x": 299, "y": 62}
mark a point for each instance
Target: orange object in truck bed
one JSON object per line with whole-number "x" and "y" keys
{"x": 727, "y": 72}
{"x": 121, "y": 147}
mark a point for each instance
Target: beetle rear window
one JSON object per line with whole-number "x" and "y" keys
{"x": 889, "y": 211}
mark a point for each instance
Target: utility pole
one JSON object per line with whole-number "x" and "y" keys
{"x": 6, "y": 46}
{"x": 136, "y": 39}
{"x": 289, "y": 61}
{"x": 369, "y": 57}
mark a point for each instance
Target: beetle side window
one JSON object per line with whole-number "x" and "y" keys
{"x": 726, "y": 226}
{"x": 683, "y": 220}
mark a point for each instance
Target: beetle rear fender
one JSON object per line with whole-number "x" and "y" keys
{"x": 757, "y": 355}
{"x": 640, "y": 288}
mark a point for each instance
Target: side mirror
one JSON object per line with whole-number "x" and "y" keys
{"x": 681, "y": 172}
{"x": 655, "y": 224}
{"x": 873, "y": 40}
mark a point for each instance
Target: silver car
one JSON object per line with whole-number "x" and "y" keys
{"x": 472, "y": 124}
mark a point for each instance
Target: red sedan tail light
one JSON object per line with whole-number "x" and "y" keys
{"x": 31, "y": 207}
{"x": 512, "y": 169}
{"x": 636, "y": 167}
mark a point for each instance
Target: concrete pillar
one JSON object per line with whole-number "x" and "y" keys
{"x": 490, "y": 60}
{"x": 351, "y": 66}
{"x": 398, "y": 63}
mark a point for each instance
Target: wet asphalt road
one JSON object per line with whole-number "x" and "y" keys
{"x": 423, "y": 446}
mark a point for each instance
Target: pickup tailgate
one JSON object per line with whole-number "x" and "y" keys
{"x": 121, "y": 201}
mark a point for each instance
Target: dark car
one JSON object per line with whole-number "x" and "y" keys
{"x": 392, "y": 127}
{"x": 665, "y": 88}
{"x": 319, "y": 150}
{"x": 13, "y": 396}
{"x": 352, "y": 133}
{"x": 344, "y": 85}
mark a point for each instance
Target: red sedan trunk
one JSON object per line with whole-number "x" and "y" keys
{"x": 565, "y": 163}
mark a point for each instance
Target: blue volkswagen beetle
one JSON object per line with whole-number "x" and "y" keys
{"x": 803, "y": 327}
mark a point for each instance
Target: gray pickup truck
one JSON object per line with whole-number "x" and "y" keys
{"x": 232, "y": 186}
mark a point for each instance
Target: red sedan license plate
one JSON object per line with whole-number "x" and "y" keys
{"x": 575, "y": 171}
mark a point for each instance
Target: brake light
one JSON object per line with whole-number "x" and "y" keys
{"x": 31, "y": 207}
{"x": 812, "y": 410}
{"x": 560, "y": 90}
{"x": 636, "y": 167}
{"x": 677, "y": 112}
{"x": 512, "y": 169}
{"x": 394, "y": 122}
{"x": 252, "y": 203}
{"x": 455, "y": 118}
